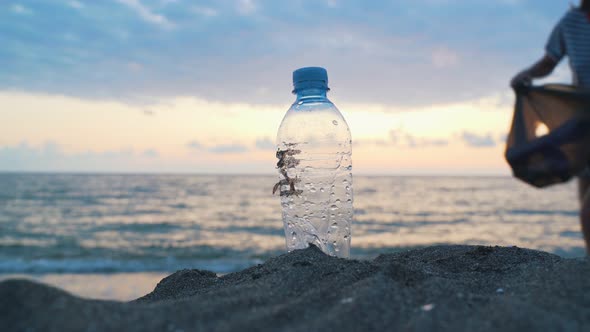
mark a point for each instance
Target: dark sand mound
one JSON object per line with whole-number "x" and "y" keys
{"x": 445, "y": 288}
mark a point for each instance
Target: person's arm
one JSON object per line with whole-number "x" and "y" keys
{"x": 540, "y": 69}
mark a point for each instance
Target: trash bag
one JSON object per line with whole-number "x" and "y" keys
{"x": 549, "y": 140}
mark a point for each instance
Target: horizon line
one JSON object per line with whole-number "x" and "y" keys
{"x": 25, "y": 172}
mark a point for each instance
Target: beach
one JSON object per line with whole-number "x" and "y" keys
{"x": 443, "y": 288}
{"x": 160, "y": 162}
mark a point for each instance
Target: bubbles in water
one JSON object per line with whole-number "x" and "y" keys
{"x": 323, "y": 211}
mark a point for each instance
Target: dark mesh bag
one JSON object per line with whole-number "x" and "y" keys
{"x": 563, "y": 150}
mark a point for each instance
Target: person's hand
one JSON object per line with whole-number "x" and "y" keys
{"x": 521, "y": 79}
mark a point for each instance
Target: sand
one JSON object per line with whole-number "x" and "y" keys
{"x": 443, "y": 288}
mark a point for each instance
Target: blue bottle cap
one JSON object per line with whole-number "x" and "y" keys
{"x": 310, "y": 77}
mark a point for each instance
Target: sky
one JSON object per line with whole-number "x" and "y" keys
{"x": 178, "y": 86}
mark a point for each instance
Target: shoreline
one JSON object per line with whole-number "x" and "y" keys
{"x": 119, "y": 286}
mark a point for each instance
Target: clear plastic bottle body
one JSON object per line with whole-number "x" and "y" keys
{"x": 315, "y": 175}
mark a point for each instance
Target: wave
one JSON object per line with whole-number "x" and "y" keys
{"x": 556, "y": 212}
{"x": 41, "y": 266}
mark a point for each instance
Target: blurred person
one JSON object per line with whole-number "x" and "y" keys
{"x": 571, "y": 38}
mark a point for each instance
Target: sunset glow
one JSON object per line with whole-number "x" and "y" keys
{"x": 417, "y": 100}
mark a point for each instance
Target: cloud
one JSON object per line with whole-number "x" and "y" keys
{"x": 402, "y": 139}
{"x": 246, "y": 7}
{"x": 146, "y": 13}
{"x": 151, "y": 153}
{"x": 20, "y": 9}
{"x": 205, "y": 11}
{"x": 398, "y": 48}
{"x": 265, "y": 144}
{"x": 374, "y": 142}
{"x": 217, "y": 149}
{"x": 332, "y": 3}
{"x": 425, "y": 142}
{"x": 227, "y": 149}
{"x": 444, "y": 58}
{"x": 194, "y": 145}
{"x": 75, "y": 4}
{"x": 478, "y": 141}
{"x": 399, "y": 137}
{"x": 51, "y": 156}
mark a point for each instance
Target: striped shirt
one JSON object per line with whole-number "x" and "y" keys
{"x": 571, "y": 37}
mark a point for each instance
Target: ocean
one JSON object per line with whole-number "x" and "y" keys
{"x": 69, "y": 229}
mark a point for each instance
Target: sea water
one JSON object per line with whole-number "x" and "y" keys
{"x": 89, "y": 223}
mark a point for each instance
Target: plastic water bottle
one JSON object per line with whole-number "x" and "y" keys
{"x": 315, "y": 168}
